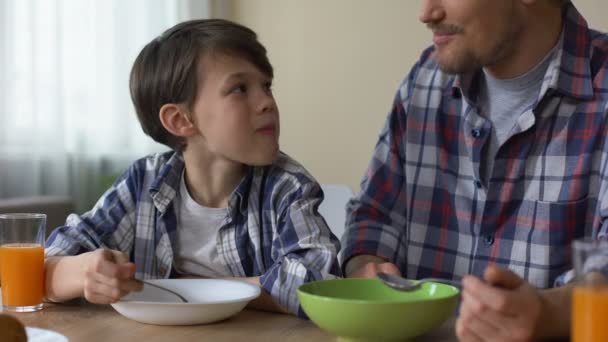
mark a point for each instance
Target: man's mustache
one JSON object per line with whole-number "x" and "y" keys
{"x": 438, "y": 28}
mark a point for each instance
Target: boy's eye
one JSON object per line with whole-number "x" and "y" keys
{"x": 239, "y": 89}
{"x": 268, "y": 86}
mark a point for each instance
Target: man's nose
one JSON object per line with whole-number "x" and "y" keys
{"x": 431, "y": 11}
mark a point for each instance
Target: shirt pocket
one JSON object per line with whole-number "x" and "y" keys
{"x": 545, "y": 231}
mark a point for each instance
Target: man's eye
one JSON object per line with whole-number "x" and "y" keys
{"x": 268, "y": 86}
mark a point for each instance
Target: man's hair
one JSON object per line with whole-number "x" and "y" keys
{"x": 166, "y": 70}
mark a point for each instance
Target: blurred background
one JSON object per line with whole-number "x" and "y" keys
{"x": 67, "y": 125}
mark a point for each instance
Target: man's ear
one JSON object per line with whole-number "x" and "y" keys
{"x": 176, "y": 120}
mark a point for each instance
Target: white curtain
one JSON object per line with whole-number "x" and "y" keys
{"x": 67, "y": 124}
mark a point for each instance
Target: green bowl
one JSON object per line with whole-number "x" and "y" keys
{"x": 359, "y": 309}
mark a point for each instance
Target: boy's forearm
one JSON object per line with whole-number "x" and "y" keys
{"x": 556, "y": 312}
{"x": 358, "y": 261}
{"x": 64, "y": 278}
{"x": 264, "y": 302}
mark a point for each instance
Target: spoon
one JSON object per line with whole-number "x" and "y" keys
{"x": 184, "y": 300}
{"x": 403, "y": 284}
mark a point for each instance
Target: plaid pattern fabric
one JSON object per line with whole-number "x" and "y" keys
{"x": 273, "y": 230}
{"x": 422, "y": 205}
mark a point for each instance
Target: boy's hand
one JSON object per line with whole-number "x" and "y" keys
{"x": 371, "y": 269}
{"x": 368, "y": 266}
{"x": 109, "y": 276}
{"x": 503, "y": 308}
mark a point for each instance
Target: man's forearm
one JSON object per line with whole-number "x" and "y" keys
{"x": 356, "y": 262}
{"x": 556, "y": 312}
{"x": 64, "y": 279}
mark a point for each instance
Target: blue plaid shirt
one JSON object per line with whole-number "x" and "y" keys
{"x": 273, "y": 231}
{"x": 422, "y": 204}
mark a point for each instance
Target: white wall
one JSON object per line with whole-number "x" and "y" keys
{"x": 337, "y": 65}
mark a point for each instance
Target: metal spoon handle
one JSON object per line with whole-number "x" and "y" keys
{"x": 184, "y": 300}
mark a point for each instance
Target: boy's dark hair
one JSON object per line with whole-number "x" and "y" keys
{"x": 165, "y": 71}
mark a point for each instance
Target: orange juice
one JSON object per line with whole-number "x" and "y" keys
{"x": 589, "y": 313}
{"x": 22, "y": 272}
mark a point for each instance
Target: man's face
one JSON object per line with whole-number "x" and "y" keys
{"x": 469, "y": 34}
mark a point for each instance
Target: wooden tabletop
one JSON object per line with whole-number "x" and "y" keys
{"x": 82, "y": 321}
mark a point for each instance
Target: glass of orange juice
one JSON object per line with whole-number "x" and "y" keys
{"x": 22, "y": 261}
{"x": 590, "y": 293}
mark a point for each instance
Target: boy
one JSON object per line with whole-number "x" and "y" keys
{"x": 226, "y": 203}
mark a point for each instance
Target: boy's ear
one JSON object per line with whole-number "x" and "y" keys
{"x": 176, "y": 120}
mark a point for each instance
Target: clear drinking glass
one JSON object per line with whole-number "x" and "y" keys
{"x": 22, "y": 261}
{"x": 590, "y": 294}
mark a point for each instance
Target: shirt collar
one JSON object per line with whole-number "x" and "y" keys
{"x": 570, "y": 71}
{"x": 166, "y": 185}
{"x": 238, "y": 199}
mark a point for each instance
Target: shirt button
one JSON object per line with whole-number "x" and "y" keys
{"x": 476, "y": 133}
{"x": 478, "y": 184}
{"x": 488, "y": 240}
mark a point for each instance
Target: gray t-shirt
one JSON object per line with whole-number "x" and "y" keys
{"x": 503, "y": 101}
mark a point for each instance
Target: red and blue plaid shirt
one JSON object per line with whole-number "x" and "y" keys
{"x": 422, "y": 205}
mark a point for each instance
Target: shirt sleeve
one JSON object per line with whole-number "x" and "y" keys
{"x": 376, "y": 216}
{"x": 600, "y": 230}
{"x": 108, "y": 224}
{"x": 304, "y": 248}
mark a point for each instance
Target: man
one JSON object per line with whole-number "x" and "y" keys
{"x": 492, "y": 161}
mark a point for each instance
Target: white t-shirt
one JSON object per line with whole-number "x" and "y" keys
{"x": 197, "y": 233}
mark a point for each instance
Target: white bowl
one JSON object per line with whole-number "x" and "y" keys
{"x": 209, "y": 300}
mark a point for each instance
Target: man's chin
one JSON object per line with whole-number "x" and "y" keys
{"x": 453, "y": 59}
{"x": 455, "y": 65}
{"x": 449, "y": 69}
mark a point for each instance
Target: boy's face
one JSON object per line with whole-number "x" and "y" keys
{"x": 235, "y": 112}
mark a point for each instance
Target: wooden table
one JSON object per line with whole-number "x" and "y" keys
{"x": 81, "y": 321}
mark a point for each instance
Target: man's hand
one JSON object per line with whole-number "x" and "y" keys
{"x": 503, "y": 308}
{"x": 108, "y": 276}
{"x": 367, "y": 266}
